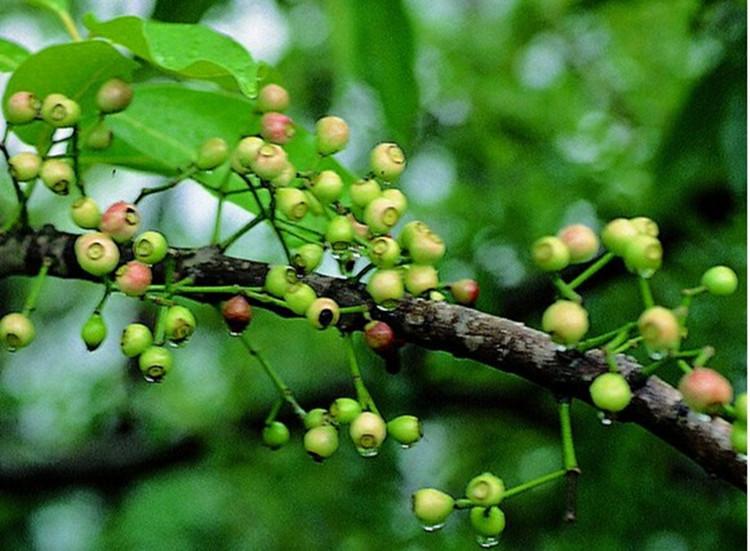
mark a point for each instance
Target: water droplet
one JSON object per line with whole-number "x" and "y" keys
{"x": 432, "y": 527}
{"x": 367, "y": 452}
{"x": 152, "y": 379}
{"x": 12, "y": 348}
{"x": 605, "y": 419}
{"x": 235, "y": 333}
{"x": 656, "y": 354}
{"x": 560, "y": 347}
{"x": 487, "y": 541}
{"x": 406, "y": 446}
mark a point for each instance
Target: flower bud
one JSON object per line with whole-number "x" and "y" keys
{"x": 279, "y": 279}
{"x": 387, "y": 161}
{"x": 60, "y": 111}
{"x": 22, "y": 108}
{"x": 286, "y": 177}
{"x": 155, "y": 362}
{"x": 643, "y": 255}
{"x": 299, "y": 297}
{"x": 99, "y": 137}
{"x": 93, "y": 332}
{"x": 420, "y": 279}
{"x": 384, "y": 252}
{"x": 618, "y": 234}
{"x": 345, "y": 410}
{"x": 276, "y": 127}
{"x": 465, "y": 291}
{"x": 57, "y": 175}
{"x": 705, "y": 389}
{"x": 381, "y": 215}
{"x": 645, "y": 226}
{"x": 432, "y": 507}
{"x": 322, "y": 313}
{"x": 25, "y": 166}
{"x": 405, "y": 429}
{"x": 566, "y": 321}
{"x": 321, "y": 442}
{"x": 720, "y": 280}
{"x": 114, "y": 95}
{"x": 85, "y": 213}
{"x": 550, "y": 254}
{"x": 135, "y": 339}
{"x": 244, "y": 153}
{"x": 16, "y": 331}
{"x": 339, "y": 232}
{"x": 386, "y": 287}
{"x": 272, "y": 97}
{"x": 275, "y": 435}
{"x": 308, "y": 257}
{"x": 581, "y": 242}
{"x": 398, "y": 199}
{"x": 331, "y": 135}
{"x": 363, "y": 192}
{"x": 269, "y": 162}
{"x": 133, "y": 278}
{"x": 212, "y": 153}
{"x": 121, "y": 221}
{"x": 291, "y": 202}
{"x": 150, "y": 247}
{"x": 659, "y": 328}
{"x": 410, "y": 231}
{"x": 488, "y": 522}
{"x": 179, "y": 324}
{"x": 380, "y": 337}
{"x": 485, "y": 489}
{"x": 368, "y": 432}
{"x": 316, "y": 417}
{"x": 426, "y": 248}
{"x": 96, "y": 253}
{"x": 610, "y": 392}
{"x": 327, "y": 186}
{"x": 237, "y": 314}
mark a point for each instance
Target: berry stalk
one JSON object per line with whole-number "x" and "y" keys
{"x": 36, "y": 287}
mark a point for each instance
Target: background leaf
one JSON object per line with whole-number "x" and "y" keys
{"x": 56, "y": 6}
{"x": 11, "y": 55}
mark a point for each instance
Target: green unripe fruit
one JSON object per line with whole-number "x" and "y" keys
{"x": 720, "y": 280}
{"x": 485, "y": 489}
{"x": 96, "y": 253}
{"x": 437, "y": 296}
{"x": 705, "y": 389}
{"x": 60, "y": 111}
{"x": 315, "y": 418}
{"x": 321, "y": 442}
{"x": 150, "y": 247}
{"x": 99, "y": 137}
{"x": 488, "y": 522}
{"x": 384, "y": 252}
{"x": 618, "y": 234}
{"x": 279, "y": 279}
{"x": 643, "y": 255}
{"x": 22, "y": 108}
{"x": 550, "y": 254}
{"x": 322, "y": 313}
{"x": 566, "y": 321}
{"x": 313, "y": 205}
{"x": 272, "y": 97}
{"x": 659, "y": 328}
{"x": 155, "y": 363}
{"x": 387, "y": 161}
{"x": 420, "y": 278}
{"x": 286, "y": 177}
{"x": 212, "y": 153}
{"x": 308, "y": 257}
{"x": 386, "y": 287}
{"x": 16, "y": 331}
{"x": 244, "y": 153}
{"x": 331, "y": 135}
{"x": 25, "y": 166}
{"x": 339, "y": 232}
{"x": 275, "y": 435}
{"x": 327, "y": 186}
{"x": 85, "y": 213}
{"x": 381, "y": 215}
{"x": 581, "y": 242}
{"x": 465, "y": 291}
{"x": 610, "y": 392}
{"x": 426, "y": 248}
{"x": 93, "y": 332}
{"x": 405, "y": 429}
{"x": 269, "y": 162}
{"x": 135, "y": 339}
{"x": 740, "y": 408}
{"x": 645, "y": 226}
{"x": 291, "y": 202}
{"x": 121, "y": 220}
{"x": 367, "y": 431}
{"x": 299, "y": 297}
{"x": 363, "y": 192}
{"x": 133, "y": 278}
{"x": 410, "y": 231}
{"x": 398, "y": 199}
{"x": 432, "y": 507}
{"x": 345, "y": 410}
{"x": 179, "y": 324}
{"x": 738, "y": 437}
{"x": 114, "y": 95}
{"x": 57, "y": 175}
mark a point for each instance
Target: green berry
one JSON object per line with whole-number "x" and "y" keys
{"x": 243, "y": 155}
{"x": 99, "y": 137}
{"x": 299, "y": 297}
{"x": 426, "y": 248}
{"x": 150, "y": 247}
{"x": 363, "y": 192}
{"x": 705, "y": 389}
{"x": 321, "y": 442}
{"x": 398, "y": 199}
{"x": 327, "y": 186}
{"x": 272, "y": 97}
{"x": 381, "y": 215}
{"x": 275, "y": 435}
{"x": 436, "y": 296}
{"x": 133, "y": 278}
{"x": 269, "y": 162}
{"x": 617, "y": 234}
{"x": 410, "y": 231}
{"x": 285, "y": 177}
{"x": 405, "y": 429}
{"x": 488, "y": 522}
{"x": 420, "y": 279}
{"x": 550, "y": 254}
{"x": 645, "y": 226}
{"x": 485, "y": 489}
{"x": 738, "y": 437}
{"x": 643, "y": 255}
{"x": 386, "y": 286}
{"x": 57, "y": 175}
{"x": 121, "y": 220}
{"x": 114, "y": 95}
{"x": 465, "y": 291}
{"x": 720, "y": 280}
{"x": 179, "y": 324}
{"x": 279, "y": 279}
{"x": 60, "y": 111}
{"x": 93, "y": 332}
{"x": 322, "y": 313}
{"x": 135, "y": 339}
{"x": 345, "y": 410}
{"x": 331, "y": 135}
{"x": 387, "y": 161}
{"x": 212, "y": 153}
{"x": 367, "y": 431}
{"x": 432, "y": 507}
{"x": 384, "y": 252}
{"x": 96, "y": 253}
{"x": 308, "y": 257}
{"x": 566, "y": 321}
{"x": 25, "y": 166}
{"x": 291, "y": 202}
{"x": 313, "y": 205}
{"x": 315, "y": 418}
{"x": 740, "y": 408}
{"x": 659, "y": 328}
{"x": 16, "y": 331}
{"x": 155, "y": 362}
{"x": 339, "y": 232}
{"x": 22, "y": 108}
{"x": 85, "y": 213}
{"x": 610, "y": 392}
{"x": 581, "y": 242}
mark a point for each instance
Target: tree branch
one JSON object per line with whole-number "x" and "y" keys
{"x": 497, "y": 342}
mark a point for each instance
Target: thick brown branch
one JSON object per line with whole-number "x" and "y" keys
{"x": 494, "y": 341}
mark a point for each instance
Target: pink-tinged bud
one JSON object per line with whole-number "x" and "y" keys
{"x": 272, "y": 97}
{"x": 705, "y": 389}
{"x": 380, "y": 337}
{"x": 582, "y": 242}
{"x": 276, "y": 127}
{"x": 121, "y": 221}
{"x": 133, "y": 278}
{"x": 465, "y": 291}
{"x": 269, "y": 162}
{"x": 360, "y": 229}
{"x": 237, "y": 314}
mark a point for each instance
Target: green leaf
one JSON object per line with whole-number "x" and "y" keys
{"x": 11, "y": 55}
{"x": 190, "y": 51}
{"x": 55, "y": 6}
{"x": 76, "y": 70}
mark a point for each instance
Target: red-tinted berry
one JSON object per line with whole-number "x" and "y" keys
{"x": 133, "y": 278}
{"x": 705, "y": 389}
{"x": 276, "y": 127}
{"x": 237, "y": 314}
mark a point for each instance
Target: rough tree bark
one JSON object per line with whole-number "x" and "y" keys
{"x": 497, "y": 342}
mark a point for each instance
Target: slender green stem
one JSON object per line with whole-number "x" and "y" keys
{"x": 75, "y": 153}
{"x": 229, "y": 241}
{"x": 364, "y": 271}
{"x": 277, "y": 405}
{"x": 648, "y": 297}
{"x": 595, "y": 342}
{"x": 160, "y": 326}
{"x": 299, "y": 235}
{"x": 22, "y": 217}
{"x": 564, "y": 289}
{"x": 684, "y": 366}
{"x": 363, "y": 395}
{"x": 107, "y": 292}
{"x": 301, "y": 227}
{"x": 184, "y": 175}
{"x": 569, "y": 453}
{"x": 651, "y": 368}
{"x": 361, "y": 309}
{"x": 591, "y": 270}
{"x": 515, "y": 490}
{"x": 36, "y": 287}
{"x": 705, "y": 354}
{"x": 216, "y": 235}
{"x": 627, "y": 345}
{"x": 69, "y": 25}
{"x": 694, "y": 291}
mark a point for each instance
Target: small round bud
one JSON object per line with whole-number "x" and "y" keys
{"x": 381, "y": 215}
{"x": 60, "y": 111}
{"x": 327, "y": 186}
{"x": 135, "y": 339}
{"x": 384, "y": 252}
{"x": 322, "y": 313}
{"x": 405, "y": 429}
{"x": 150, "y": 247}
{"x": 436, "y": 296}
{"x": 133, "y": 278}
{"x": 16, "y": 331}
{"x": 738, "y": 437}
{"x": 99, "y": 137}
{"x": 550, "y": 254}
{"x": 380, "y": 337}
{"x": 121, "y": 221}
{"x": 299, "y": 297}
{"x": 610, "y": 392}
{"x": 410, "y": 231}
{"x": 114, "y": 95}
{"x": 485, "y": 489}
{"x": 308, "y": 257}
{"x": 659, "y": 328}
{"x": 321, "y": 442}
{"x": 360, "y": 229}
{"x": 705, "y": 389}
{"x": 96, "y": 253}
{"x": 345, "y": 410}
{"x": 420, "y": 279}
{"x": 426, "y": 248}
{"x": 398, "y": 199}
{"x": 276, "y": 127}
{"x": 363, "y": 192}
{"x": 179, "y": 324}
{"x": 272, "y": 97}
{"x": 85, "y": 213}
{"x": 386, "y": 287}
{"x": 291, "y": 202}
{"x": 432, "y": 507}
{"x": 22, "y": 108}
{"x": 331, "y": 135}
{"x": 237, "y": 314}
{"x": 581, "y": 241}
{"x": 286, "y": 177}
{"x": 740, "y": 408}
{"x": 155, "y": 362}
{"x": 212, "y": 153}
{"x": 25, "y": 166}
{"x": 244, "y": 153}
{"x": 313, "y": 205}
{"x": 618, "y": 234}
{"x": 465, "y": 291}
{"x": 269, "y": 162}
{"x": 645, "y": 226}
{"x": 387, "y": 161}
{"x": 57, "y": 175}
{"x": 315, "y": 418}
{"x": 275, "y": 435}
{"x": 643, "y": 255}
{"x": 279, "y": 279}
{"x": 93, "y": 332}
{"x": 368, "y": 432}
{"x": 720, "y": 280}
{"x": 566, "y": 321}
{"x": 339, "y": 232}
{"x": 488, "y": 522}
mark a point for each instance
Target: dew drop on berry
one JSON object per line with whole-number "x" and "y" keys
{"x": 367, "y": 452}
{"x": 432, "y": 527}
{"x": 487, "y": 541}
{"x": 605, "y": 419}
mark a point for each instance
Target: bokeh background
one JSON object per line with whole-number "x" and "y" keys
{"x": 517, "y": 117}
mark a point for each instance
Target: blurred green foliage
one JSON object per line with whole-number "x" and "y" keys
{"x": 517, "y": 117}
